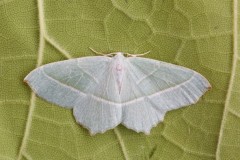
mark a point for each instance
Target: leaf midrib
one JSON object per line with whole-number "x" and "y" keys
{"x": 33, "y": 95}
{"x": 233, "y": 73}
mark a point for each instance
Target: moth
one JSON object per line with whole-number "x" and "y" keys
{"x": 117, "y": 88}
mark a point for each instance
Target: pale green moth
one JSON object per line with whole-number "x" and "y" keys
{"x": 105, "y": 91}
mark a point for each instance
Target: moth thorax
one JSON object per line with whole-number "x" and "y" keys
{"x": 119, "y": 69}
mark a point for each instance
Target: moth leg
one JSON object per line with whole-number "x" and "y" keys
{"x": 103, "y": 54}
{"x": 137, "y": 55}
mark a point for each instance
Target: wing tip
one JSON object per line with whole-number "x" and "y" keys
{"x": 209, "y": 87}
{"x": 30, "y": 77}
{"x": 26, "y": 79}
{"x": 204, "y": 82}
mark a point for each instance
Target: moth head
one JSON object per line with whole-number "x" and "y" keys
{"x": 120, "y": 54}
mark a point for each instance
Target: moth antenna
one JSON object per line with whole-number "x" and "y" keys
{"x": 137, "y": 55}
{"x": 96, "y": 52}
{"x": 103, "y": 54}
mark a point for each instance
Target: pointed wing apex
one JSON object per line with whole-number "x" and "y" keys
{"x": 51, "y": 89}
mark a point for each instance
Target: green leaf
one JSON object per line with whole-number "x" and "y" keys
{"x": 200, "y": 34}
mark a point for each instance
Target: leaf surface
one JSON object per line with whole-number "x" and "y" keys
{"x": 200, "y": 34}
